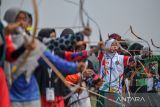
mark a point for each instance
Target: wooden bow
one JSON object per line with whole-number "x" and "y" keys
{"x": 33, "y": 37}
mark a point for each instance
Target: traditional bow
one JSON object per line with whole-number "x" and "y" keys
{"x": 140, "y": 38}
{"x": 154, "y": 44}
{"x": 45, "y": 59}
{"x": 82, "y": 10}
{"x": 143, "y": 66}
{"x": 33, "y": 37}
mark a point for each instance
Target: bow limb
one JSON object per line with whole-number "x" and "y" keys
{"x": 82, "y": 10}
{"x": 36, "y": 20}
{"x": 81, "y": 4}
{"x": 140, "y": 38}
{"x": 134, "y": 33}
{"x": 98, "y": 27}
{"x": 154, "y": 44}
{"x": 136, "y": 70}
{"x": 35, "y": 7}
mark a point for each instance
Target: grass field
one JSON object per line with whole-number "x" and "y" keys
{"x": 93, "y": 101}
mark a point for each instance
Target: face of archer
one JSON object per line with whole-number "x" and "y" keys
{"x": 81, "y": 48}
{"x": 22, "y": 19}
{"x": 114, "y": 47}
{"x": 53, "y": 35}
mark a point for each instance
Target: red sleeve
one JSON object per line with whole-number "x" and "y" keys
{"x": 74, "y": 78}
{"x": 146, "y": 71}
{"x": 78, "y": 56}
{"x": 4, "y": 94}
{"x": 126, "y": 60}
{"x": 100, "y": 56}
{"x": 68, "y": 56}
{"x": 9, "y": 48}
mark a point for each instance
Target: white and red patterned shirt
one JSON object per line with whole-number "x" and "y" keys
{"x": 111, "y": 71}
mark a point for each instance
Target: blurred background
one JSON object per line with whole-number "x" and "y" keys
{"x": 112, "y": 16}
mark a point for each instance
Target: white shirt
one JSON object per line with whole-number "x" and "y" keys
{"x": 112, "y": 69}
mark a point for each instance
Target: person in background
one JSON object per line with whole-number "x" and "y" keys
{"x": 84, "y": 35}
{"x": 24, "y": 90}
{"x": 46, "y": 78}
{"x": 67, "y": 31}
{"x": 10, "y": 54}
{"x": 81, "y": 97}
{"x": 46, "y": 35}
{"x": 112, "y": 69}
{"x": 67, "y": 40}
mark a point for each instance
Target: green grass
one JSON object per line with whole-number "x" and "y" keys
{"x": 93, "y": 101}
